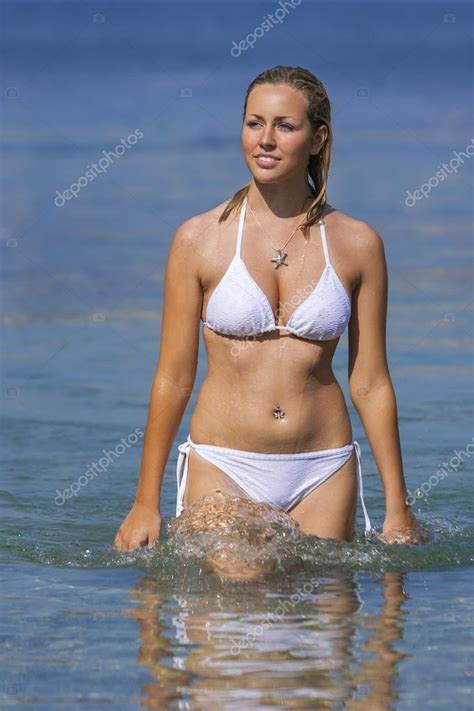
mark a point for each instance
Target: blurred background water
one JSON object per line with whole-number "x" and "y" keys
{"x": 83, "y": 626}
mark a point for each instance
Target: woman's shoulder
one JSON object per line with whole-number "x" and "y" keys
{"x": 202, "y": 233}
{"x": 353, "y": 232}
{"x": 205, "y": 222}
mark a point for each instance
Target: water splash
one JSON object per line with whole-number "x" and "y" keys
{"x": 227, "y": 533}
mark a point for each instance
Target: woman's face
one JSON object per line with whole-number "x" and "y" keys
{"x": 276, "y": 124}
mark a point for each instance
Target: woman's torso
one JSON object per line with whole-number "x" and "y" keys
{"x": 249, "y": 377}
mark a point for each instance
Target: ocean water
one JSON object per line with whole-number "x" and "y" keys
{"x": 337, "y": 625}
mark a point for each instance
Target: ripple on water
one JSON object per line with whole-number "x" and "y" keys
{"x": 234, "y": 538}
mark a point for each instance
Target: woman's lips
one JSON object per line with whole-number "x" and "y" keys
{"x": 266, "y": 162}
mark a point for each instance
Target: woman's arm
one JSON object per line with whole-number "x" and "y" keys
{"x": 172, "y": 384}
{"x": 370, "y": 385}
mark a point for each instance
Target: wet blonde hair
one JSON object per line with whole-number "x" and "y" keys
{"x": 318, "y": 112}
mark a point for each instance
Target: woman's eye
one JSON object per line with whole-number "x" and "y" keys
{"x": 286, "y": 125}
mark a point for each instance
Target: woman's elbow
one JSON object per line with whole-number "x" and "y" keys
{"x": 362, "y": 389}
{"x": 180, "y": 384}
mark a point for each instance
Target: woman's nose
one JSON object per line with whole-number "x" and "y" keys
{"x": 267, "y": 138}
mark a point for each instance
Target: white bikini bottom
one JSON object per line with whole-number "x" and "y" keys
{"x": 277, "y": 479}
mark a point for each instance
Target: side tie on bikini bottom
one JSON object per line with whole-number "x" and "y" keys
{"x": 182, "y": 475}
{"x": 368, "y": 526}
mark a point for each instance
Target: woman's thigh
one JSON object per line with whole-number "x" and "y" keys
{"x": 329, "y": 511}
{"x": 204, "y": 478}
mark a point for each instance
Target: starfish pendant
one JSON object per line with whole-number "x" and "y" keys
{"x": 278, "y": 413}
{"x": 280, "y": 259}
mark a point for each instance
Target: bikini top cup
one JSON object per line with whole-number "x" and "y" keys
{"x": 238, "y": 306}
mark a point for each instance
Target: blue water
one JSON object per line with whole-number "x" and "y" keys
{"x": 380, "y": 627}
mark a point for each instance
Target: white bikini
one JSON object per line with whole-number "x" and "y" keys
{"x": 239, "y": 307}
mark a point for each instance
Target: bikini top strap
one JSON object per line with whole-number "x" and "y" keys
{"x": 322, "y": 229}
{"x": 238, "y": 245}
{"x": 324, "y": 241}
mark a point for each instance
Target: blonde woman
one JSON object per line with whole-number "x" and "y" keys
{"x": 277, "y": 275}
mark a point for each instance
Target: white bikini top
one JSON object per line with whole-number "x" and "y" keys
{"x": 238, "y": 306}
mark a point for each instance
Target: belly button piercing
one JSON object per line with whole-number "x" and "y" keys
{"x": 278, "y": 413}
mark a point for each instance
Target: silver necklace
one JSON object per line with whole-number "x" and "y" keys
{"x": 281, "y": 255}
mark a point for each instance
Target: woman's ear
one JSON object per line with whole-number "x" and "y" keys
{"x": 319, "y": 139}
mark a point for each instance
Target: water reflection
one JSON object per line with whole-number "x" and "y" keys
{"x": 321, "y": 650}
{"x": 255, "y": 626}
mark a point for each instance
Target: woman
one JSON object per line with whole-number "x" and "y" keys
{"x": 271, "y": 423}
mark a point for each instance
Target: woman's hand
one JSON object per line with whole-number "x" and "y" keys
{"x": 402, "y": 527}
{"x": 139, "y": 528}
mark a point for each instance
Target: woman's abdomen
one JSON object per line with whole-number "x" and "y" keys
{"x": 239, "y": 410}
